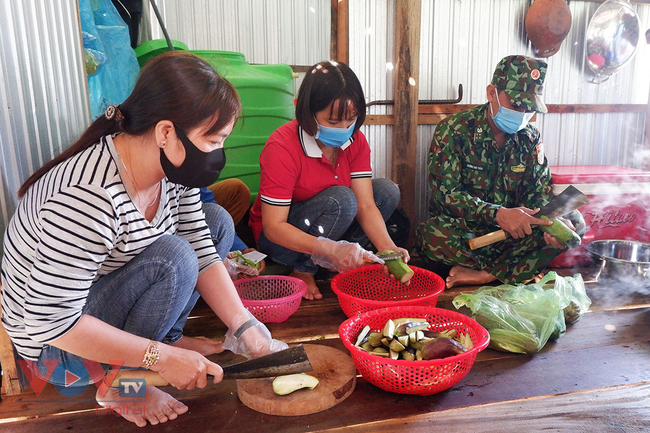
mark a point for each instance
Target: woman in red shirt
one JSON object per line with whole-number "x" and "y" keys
{"x": 317, "y": 199}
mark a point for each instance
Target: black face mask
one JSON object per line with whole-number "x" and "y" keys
{"x": 199, "y": 169}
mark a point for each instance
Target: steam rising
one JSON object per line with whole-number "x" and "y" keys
{"x": 620, "y": 201}
{"x": 615, "y": 292}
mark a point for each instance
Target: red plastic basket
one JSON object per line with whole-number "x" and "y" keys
{"x": 414, "y": 377}
{"x": 271, "y": 298}
{"x": 367, "y": 288}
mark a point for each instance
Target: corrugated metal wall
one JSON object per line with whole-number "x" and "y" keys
{"x": 45, "y": 106}
{"x": 462, "y": 41}
{"x": 43, "y": 96}
{"x": 372, "y": 29}
{"x": 295, "y": 32}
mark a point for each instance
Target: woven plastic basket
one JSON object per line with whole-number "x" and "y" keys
{"x": 414, "y": 377}
{"x": 271, "y": 298}
{"x": 367, "y": 288}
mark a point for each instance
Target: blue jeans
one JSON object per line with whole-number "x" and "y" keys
{"x": 153, "y": 294}
{"x": 331, "y": 214}
{"x": 222, "y": 227}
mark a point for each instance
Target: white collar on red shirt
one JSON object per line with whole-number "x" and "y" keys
{"x": 310, "y": 147}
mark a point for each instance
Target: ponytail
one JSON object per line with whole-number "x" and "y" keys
{"x": 99, "y": 128}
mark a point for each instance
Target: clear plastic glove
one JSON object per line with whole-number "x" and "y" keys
{"x": 252, "y": 338}
{"x": 237, "y": 270}
{"x": 341, "y": 256}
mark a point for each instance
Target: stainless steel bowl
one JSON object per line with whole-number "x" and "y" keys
{"x": 622, "y": 260}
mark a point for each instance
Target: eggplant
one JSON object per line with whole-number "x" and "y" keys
{"x": 389, "y": 329}
{"x": 363, "y": 336}
{"x": 367, "y": 347}
{"x": 404, "y": 339}
{"x": 374, "y": 338}
{"x": 408, "y": 354}
{"x": 442, "y": 347}
{"x": 411, "y": 327}
{"x": 380, "y": 351}
{"x": 418, "y": 345}
{"x": 403, "y": 320}
{"x": 396, "y": 346}
{"x": 449, "y": 333}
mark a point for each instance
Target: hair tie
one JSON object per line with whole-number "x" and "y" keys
{"x": 319, "y": 67}
{"x": 113, "y": 112}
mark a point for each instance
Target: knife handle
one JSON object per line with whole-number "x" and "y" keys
{"x": 152, "y": 378}
{"x": 488, "y": 239}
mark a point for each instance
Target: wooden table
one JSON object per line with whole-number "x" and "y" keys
{"x": 596, "y": 378}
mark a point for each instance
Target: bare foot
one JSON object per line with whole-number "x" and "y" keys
{"x": 203, "y": 345}
{"x": 312, "y": 289}
{"x": 538, "y": 278}
{"x": 156, "y": 406}
{"x": 459, "y": 275}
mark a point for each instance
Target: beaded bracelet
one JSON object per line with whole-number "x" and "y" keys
{"x": 152, "y": 355}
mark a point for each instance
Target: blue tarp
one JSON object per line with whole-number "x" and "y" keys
{"x": 111, "y": 63}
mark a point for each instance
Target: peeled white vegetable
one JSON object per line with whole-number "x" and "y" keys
{"x": 283, "y": 385}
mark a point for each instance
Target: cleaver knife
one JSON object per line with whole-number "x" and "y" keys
{"x": 287, "y": 361}
{"x": 568, "y": 200}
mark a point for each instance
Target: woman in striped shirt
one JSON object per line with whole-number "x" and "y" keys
{"x": 109, "y": 249}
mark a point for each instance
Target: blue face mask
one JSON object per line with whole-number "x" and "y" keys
{"x": 334, "y": 137}
{"x": 510, "y": 121}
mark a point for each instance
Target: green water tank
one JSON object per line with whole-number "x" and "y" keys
{"x": 267, "y": 96}
{"x": 150, "y": 49}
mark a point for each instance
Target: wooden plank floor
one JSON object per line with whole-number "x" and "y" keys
{"x": 596, "y": 378}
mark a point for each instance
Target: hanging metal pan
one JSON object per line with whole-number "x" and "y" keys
{"x": 611, "y": 38}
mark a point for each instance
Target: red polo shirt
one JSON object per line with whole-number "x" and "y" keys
{"x": 293, "y": 169}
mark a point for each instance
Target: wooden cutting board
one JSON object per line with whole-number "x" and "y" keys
{"x": 337, "y": 378}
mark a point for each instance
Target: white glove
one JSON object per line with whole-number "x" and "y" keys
{"x": 341, "y": 256}
{"x": 252, "y": 338}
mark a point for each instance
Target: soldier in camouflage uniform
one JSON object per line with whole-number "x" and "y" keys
{"x": 487, "y": 171}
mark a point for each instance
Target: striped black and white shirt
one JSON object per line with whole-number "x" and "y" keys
{"x": 74, "y": 225}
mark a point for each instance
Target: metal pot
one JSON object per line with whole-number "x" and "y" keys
{"x": 622, "y": 260}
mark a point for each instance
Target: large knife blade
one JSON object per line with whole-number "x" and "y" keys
{"x": 568, "y": 200}
{"x": 287, "y": 361}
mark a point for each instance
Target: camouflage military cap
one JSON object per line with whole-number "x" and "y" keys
{"x": 522, "y": 78}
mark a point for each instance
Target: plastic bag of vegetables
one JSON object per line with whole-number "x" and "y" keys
{"x": 580, "y": 302}
{"x": 522, "y": 318}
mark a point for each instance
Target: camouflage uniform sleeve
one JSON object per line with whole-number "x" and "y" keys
{"x": 448, "y": 197}
{"x": 539, "y": 187}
